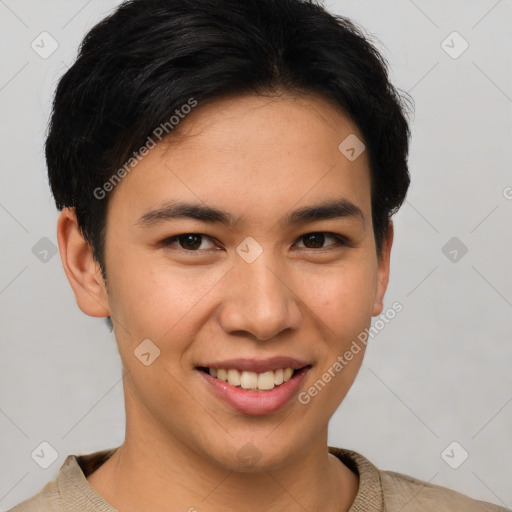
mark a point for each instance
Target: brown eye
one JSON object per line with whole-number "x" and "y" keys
{"x": 190, "y": 242}
{"x": 317, "y": 240}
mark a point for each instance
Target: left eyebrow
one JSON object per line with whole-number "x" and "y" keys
{"x": 326, "y": 210}
{"x": 331, "y": 209}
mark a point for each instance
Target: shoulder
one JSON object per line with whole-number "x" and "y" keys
{"x": 408, "y": 494}
{"x": 388, "y": 491}
{"x": 70, "y": 491}
{"x": 44, "y": 500}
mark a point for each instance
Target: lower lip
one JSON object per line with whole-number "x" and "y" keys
{"x": 257, "y": 402}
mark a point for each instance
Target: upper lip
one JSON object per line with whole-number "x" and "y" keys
{"x": 258, "y": 365}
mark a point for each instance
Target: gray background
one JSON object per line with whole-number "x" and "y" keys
{"x": 438, "y": 373}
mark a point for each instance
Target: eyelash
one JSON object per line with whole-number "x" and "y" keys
{"x": 341, "y": 241}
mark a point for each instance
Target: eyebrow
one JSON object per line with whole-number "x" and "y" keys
{"x": 330, "y": 209}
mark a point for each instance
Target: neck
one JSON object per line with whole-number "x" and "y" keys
{"x": 165, "y": 474}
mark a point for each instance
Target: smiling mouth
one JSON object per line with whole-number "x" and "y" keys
{"x": 253, "y": 381}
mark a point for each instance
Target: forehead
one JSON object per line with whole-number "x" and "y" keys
{"x": 256, "y": 155}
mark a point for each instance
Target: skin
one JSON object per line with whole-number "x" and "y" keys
{"x": 258, "y": 158}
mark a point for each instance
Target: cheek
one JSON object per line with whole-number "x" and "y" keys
{"x": 152, "y": 298}
{"x": 155, "y": 298}
{"x": 341, "y": 299}
{"x": 341, "y": 310}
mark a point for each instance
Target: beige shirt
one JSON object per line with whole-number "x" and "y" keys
{"x": 379, "y": 491}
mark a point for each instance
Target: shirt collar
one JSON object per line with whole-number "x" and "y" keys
{"x": 72, "y": 480}
{"x": 369, "y": 495}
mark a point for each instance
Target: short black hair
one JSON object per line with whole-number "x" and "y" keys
{"x": 139, "y": 66}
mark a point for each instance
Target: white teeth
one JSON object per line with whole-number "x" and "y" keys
{"x": 251, "y": 380}
{"x": 266, "y": 380}
{"x": 234, "y": 377}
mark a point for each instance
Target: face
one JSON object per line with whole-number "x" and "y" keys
{"x": 258, "y": 286}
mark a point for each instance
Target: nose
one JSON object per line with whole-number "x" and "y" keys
{"x": 259, "y": 300}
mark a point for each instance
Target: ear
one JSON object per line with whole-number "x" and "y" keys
{"x": 82, "y": 271}
{"x": 383, "y": 271}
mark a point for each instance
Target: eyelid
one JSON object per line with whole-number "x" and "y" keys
{"x": 341, "y": 241}
{"x": 169, "y": 241}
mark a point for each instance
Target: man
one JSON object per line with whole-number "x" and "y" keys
{"x": 227, "y": 172}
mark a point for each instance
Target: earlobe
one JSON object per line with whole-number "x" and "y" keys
{"x": 82, "y": 271}
{"x": 383, "y": 271}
